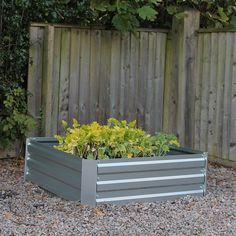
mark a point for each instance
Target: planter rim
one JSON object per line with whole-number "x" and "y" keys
{"x": 191, "y": 154}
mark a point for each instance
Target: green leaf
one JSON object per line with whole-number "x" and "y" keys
{"x": 223, "y": 16}
{"x": 99, "y": 5}
{"x": 156, "y": 2}
{"x": 233, "y": 21}
{"x": 147, "y": 13}
{"x": 90, "y": 157}
{"x": 172, "y": 9}
{"x": 125, "y": 22}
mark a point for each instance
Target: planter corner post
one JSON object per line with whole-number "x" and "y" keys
{"x": 89, "y": 182}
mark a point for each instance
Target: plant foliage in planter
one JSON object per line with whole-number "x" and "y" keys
{"x": 114, "y": 140}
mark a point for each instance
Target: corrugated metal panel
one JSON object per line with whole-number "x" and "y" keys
{"x": 151, "y": 164}
{"x": 150, "y": 182}
{"x": 45, "y": 151}
{"x": 144, "y": 174}
{"x": 53, "y": 185}
{"x": 58, "y": 172}
{"x": 141, "y": 191}
{"x": 149, "y": 197}
{"x": 151, "y": 179}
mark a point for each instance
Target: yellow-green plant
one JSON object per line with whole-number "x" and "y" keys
{"x": 114, "y": 140}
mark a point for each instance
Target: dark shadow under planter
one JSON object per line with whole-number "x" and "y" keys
{"x": 180, "y": 173}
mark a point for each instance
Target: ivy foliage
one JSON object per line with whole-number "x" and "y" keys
{"x": 128, "y": 15}
{"x": 15, "y": 18}
{"x": 14, "y": 121}
{"x": 114, "y": 140}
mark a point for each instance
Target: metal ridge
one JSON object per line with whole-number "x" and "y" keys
{"x": 121, "y": 181}
{"x": 148, "y": 196}
{"x": 137, "y": 163}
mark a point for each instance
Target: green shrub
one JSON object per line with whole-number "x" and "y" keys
{"x": 114, "y": 140}
{"x": 128, "y": 15}
{"x": 14, "y": 47}
{"x": 14, "y": 121}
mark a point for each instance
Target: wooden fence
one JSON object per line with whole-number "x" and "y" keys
{"x": 182, "y": 81}
{"x": 215, "y": 117}
{"x": 94, "y": 74}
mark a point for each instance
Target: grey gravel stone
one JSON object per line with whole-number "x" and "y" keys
{"x": 25, "y": 209}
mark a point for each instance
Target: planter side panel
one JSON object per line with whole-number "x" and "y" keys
{"x": 151, "y": 179}
{"x": 55, "y": 171}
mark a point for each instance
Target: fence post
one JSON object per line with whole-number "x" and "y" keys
{"x": 184, "y": 74}
{"x": 34, "y": 82}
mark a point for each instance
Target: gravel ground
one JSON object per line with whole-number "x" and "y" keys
{"x": 26, "y": 209}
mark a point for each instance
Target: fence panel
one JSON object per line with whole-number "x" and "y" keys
{"x": 215, "y": 119}
{"x": 95, "y": 74}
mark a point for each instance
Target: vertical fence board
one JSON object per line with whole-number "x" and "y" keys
{"x": 56, "y": 79}
{"x": 167, "y": 86}
{"x": 158, "y": 87}
{"x": 220, "y": 88}
{"x": 74, "y": 75}
{"x": 104, "y": 76}
{"x": 212, "y": 94}
{"x": 206, "y": 60}
{"x": 227, "y": 96}
{"x": 133, "y": 85}
{"x": 63, "y": 113}
{"x": 170, "y": 84}
{"x": 84, "y": 76}
{"x": 143, "y": 58}
{"x": 198, "y": 88}
{"x": 115, "y": 75}
{"x": 125, "y": 55}
{"x": 150, "y": 82}
{"x": 35, "y": 76}
{"x": 94, "y": 84}
{"x": 47, "y": 80}
{"x": 232, "y": 154}
{"x": 181, "y": 81}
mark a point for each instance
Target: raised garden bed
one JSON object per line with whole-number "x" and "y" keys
{"x": 181, "y": 172}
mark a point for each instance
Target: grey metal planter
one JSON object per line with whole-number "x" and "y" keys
{"x": 182, "y": 172}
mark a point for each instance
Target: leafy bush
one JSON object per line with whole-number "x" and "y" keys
{"x": 14, "y": 121}
{"x": 114, "y": 140}
{"x": 14, "y": 47}
{"x": 128, "y": 15}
